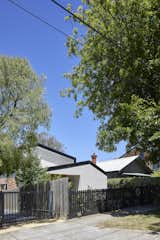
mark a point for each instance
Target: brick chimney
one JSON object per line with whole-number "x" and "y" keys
{"x": 94, "y": 158}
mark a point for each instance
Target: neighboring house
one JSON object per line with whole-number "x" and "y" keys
{"x": 144, "y": 155}
{"x": 7, "y": 183}
{"x": 126, "y": 166}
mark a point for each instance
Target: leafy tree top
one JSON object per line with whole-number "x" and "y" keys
{"x": 22, "y": 110}
{"x": 119, "y": 69}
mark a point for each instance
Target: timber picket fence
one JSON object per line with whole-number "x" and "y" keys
{"x": 55, "y": 200}
{"x": 87, "y": 202}
{"x": 39, "y": 201}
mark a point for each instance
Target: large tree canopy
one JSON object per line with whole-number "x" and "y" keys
{"x": 22, "y": 110}
{"x": 118, "y": 75}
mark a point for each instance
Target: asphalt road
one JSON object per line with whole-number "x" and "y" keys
{"x": 84, "y": 228}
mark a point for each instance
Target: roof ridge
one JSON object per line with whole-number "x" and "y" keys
{"x": 110, "y": 160}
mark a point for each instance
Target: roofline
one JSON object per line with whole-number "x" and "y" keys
{"x": 138, "y": 157}
{"x": 75, "y": 165}
{"x": 56, "y": 151}
{"x": 123, "y": 167}
{"x": 112, "y": 171}
{"x": 130, "y": 162}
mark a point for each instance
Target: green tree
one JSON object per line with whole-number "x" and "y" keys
{"x": 31, "y": 172}
{"x": 118, "y": 75}
{"x": 22, "y": 110}
{"x": 50, "y": 141}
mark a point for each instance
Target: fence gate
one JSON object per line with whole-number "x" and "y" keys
{"x": 59, "y": 188}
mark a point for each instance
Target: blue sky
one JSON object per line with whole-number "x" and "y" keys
{"x": 24, "y": 36}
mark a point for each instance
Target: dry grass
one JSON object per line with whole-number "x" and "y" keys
{"x": 149, "y": 221}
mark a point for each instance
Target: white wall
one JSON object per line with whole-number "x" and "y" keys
{"x": 53, "y": 157}
{"x": 90, "y": 177}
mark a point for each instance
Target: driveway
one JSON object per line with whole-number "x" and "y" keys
{"x": 84, "y": 228}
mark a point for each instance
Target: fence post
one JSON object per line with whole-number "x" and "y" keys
{"x": 50, "y": 201}
{"x": 1, "y": 207}
{"x": 60, "y": 198}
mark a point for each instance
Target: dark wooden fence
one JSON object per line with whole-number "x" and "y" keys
{"x": 23, "y": 206}
{"x": 39, "y": 201}
{"x": 87, "y": 202}
{"x": 55, "y": 200}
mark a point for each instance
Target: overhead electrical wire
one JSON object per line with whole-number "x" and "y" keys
{"x": 75, "y": 16}
{"x": 84, "y": 22}
{"x": 42, "y": 20}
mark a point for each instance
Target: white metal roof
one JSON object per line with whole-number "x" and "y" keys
{"x": 116, "y": 164}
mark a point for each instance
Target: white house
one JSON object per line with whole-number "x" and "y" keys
{"x": 83, "y": 175}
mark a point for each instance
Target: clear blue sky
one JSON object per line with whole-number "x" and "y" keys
{"x": 22, "y": 35}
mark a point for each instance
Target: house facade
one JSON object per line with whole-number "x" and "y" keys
{"x": 133, "y": 166}
{"x": 82, "y": 175}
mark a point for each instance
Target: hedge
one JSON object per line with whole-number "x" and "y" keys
{"x": 133, "y": 182}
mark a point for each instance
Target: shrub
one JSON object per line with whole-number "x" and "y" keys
{"x": 133, "y": 182}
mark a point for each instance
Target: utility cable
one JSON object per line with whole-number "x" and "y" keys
{"x": 42, "y": 20}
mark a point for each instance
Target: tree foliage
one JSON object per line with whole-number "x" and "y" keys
{"x": 118, "y": 75}
{"x": 22, "y": 110}
{"x": 50, "y": 141}
{"x": 156, "y": 174}
{"x": 31, "y": 172}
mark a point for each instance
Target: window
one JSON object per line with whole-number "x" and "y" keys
{"x": 3, "y": 187}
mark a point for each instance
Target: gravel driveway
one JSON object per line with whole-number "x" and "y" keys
{"x": 84, "y": 228}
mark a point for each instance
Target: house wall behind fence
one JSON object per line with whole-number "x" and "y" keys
{"x": 89, "y": 176}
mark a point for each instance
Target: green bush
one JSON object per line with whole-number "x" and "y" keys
{"x": 133, "y": 182}
{"x": 156, "y": 174}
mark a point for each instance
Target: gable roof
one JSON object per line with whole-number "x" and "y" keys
{"x": 52, "y": 168}
{"x": 56, "y": 151}
{"x": 116, "y": 164}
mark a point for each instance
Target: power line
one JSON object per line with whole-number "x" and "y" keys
{"x": 85, "y": 23}
{"x": 78, "y": 18}
{"x": 42, "y": 20}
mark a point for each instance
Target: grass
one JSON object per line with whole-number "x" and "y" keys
{"x": 148, "y": 221}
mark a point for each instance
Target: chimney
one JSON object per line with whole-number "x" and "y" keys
{"x": 94, "y": 158}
